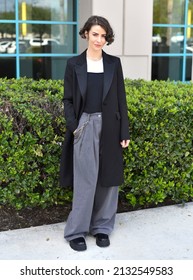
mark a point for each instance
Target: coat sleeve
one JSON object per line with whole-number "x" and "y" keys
{"x": 71, "y": 121}
{"x": 122, "y": 104}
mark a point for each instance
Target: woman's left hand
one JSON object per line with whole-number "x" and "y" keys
{"x": 125, "y": 143}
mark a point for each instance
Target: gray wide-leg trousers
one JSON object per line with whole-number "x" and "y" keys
{"x": 94, "y": 207}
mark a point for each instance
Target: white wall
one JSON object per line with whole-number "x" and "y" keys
{"x": 84, "y": 12}
{"x": 138, "y": 38}
{"x": 131, "y": 21}
{"x": 113, "y": 11}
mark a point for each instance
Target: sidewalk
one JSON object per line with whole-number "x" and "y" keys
{"x": 164, "y": 233}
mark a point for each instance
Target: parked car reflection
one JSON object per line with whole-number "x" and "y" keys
{"x": 12, "y": 47}
{"x": 37, "y": 42}
{"x": 4, "y": 45}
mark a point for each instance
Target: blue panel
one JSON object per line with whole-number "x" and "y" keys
{"x": 17, "y": 39}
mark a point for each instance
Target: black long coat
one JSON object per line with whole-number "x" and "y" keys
{"x": 115, "y": 125}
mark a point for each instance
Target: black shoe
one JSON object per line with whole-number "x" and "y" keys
{"x": 78, "y": 244}
{"x": 102, "y": 240}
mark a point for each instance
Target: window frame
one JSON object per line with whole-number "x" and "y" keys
{"x": 17, "y": 23}
{"x": 184, "y": 54}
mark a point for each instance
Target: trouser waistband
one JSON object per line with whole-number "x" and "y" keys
{"x": 91, "y": 116}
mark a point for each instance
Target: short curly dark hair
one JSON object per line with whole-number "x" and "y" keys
{"x": 103, "y": 22}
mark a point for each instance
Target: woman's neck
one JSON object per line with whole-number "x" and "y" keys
{"x": 94, "y": 55}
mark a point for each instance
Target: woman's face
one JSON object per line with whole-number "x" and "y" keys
{"x": 96, "y": 38}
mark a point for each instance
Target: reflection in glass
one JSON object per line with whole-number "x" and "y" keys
{"x": 57, "y": 10}
{"x": 168, "y": 11}
{"x": 54, "y": 37}
{"x": 42, "y": 67}
{"x": 45, "y": 38}
{"x": 7, "y": 32}
{"x": 164, "y": 68}
{"x": 8, "y": 67}
{"x": 189, "y": 40}
{"x": 189, "y": 29}
{"x": 7, "y": 9}
{"x": 190, "y": 12}
{"x": 168, "y": 42}
{"x": 189, "y": 68}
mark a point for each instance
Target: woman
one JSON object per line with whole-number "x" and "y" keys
{"x": 97, "y": 130}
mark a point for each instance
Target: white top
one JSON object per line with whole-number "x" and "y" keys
{"x": 95, "y": 66}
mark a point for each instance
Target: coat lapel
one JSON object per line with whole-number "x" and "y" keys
{"x": 109, "y": 68}
{"x": 81, "y": 72}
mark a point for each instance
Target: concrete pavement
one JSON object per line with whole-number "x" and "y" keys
{"x": 163, "y": 233}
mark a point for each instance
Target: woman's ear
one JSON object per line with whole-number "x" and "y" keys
{"x": 86, "y": 34}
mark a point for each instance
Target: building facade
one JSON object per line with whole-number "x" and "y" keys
{"x": 153, "y": 38}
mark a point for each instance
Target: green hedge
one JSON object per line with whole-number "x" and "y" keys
{"x": 158, "y": 162}
{"x": 32, "y": 129}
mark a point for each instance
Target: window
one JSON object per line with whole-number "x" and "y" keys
{"x": 172, "y": 41}
{"x": 37, "y": 37}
